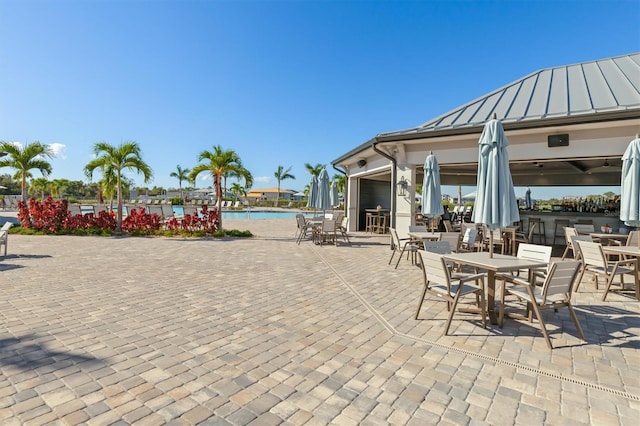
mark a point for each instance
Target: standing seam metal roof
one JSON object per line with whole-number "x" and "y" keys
{"x": 580, "y": 89}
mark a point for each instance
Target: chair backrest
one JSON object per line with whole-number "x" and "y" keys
{"x": 155, "y": 209}
{"x": 300, "y": 220}
{"x": 328, "y": 216}
{"x": 584, "y": 228}
{"x": 417, "y": 228}
{"x": 534, "y": 252}
{"x": 575, "y": 246}
{"x": 633, "y": 238}
{"x": 453, "y": 238}
{"x": 434, "y": 269}
{"x": 559, "y": 281}
{"x": 395, "y": 240}
{"x": 592, "y": 254}
{"x": 190, "y": 210}
{"x": 568, "y": 233}
{"x": 328, "y": 225}
{"x": 167, "y": 210}
{"x": 74, "y": 209}
{"x": 441, "y": 247}
{"x": 345, "y": 223}
{"x": 532, "y": 229}
{"x": 469, "y": 236}
{"x": 447, "y": 225}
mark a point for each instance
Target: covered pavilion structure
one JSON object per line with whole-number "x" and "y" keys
{"x": 567, "y": 126}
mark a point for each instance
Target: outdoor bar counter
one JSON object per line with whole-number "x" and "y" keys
{"x": 549, "y": 220}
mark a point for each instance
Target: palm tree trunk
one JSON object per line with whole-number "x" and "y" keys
{"x": 119, "y": 214}
{"x": 219, "y": 200}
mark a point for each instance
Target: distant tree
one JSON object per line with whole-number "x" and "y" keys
{"x": 340, "y": 180}
{"x": 282, "y": 174}
{"x": 114, "y": 160}
{"x": 217, "y": 163}
{"x": 24, "y": 159}
{"x": 237, "y": 190}
{"x": 39, "y": 185}
{"x": 314, "y": 170}
{"x": 58, "y": 187}
{"x": 182, "y": 175}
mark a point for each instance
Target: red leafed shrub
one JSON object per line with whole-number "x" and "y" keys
{"x": 206, "y": 222}
{"x": 47, "y": 215}
{"x": 139, "y": 221}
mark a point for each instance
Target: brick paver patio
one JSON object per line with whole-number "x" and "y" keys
{"x": 263, "y": 331}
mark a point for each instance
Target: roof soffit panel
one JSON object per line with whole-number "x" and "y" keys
{"x": 578, "y": 91}
{"x": 558, "y": 94}
{"x": 598, "y": 88}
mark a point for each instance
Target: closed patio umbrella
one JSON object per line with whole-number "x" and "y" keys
{"x": 431, "y": 192}
{"x": 323, "y": 201}
{"x": 313, "y": 192}
{"x": 630, "y": 185}
{"x": 496, "y": 205}
{"x": 333, "y": 195}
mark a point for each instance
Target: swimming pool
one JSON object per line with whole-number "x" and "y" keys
{"x": 237, "y": 214}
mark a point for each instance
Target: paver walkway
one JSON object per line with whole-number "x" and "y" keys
{"x": 263, "y": 331}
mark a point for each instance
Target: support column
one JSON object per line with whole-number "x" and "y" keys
{"x": 406, "y": 204}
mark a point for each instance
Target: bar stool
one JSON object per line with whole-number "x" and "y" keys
{"x": 560, "y": 224}
{"x": 369, "y": 224}
{"x": 539, "y": 232}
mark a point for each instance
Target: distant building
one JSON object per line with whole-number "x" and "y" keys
{"x": 264, "y": 194}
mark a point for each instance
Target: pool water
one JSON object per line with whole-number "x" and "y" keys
{"x": 239, "y": 214}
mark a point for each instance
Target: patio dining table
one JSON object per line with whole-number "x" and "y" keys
{"x": 424, "y": 235}
{"x": 607, "y": 238}
{"x": 497, "y": 263}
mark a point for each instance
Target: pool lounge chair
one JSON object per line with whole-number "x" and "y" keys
{"x": 4, "y": 235}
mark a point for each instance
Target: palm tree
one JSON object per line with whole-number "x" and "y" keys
{"x": 38, "y": 185}
{"x": 182, "y": 175}
{"x": 58, "y": 187}
{"x": 281, "y": 175}
{"x": 23, "y": 160}
{"x": 314, "y": 170}
{"x": 237, "y": 190}
{"x": 340, "y": 181}
{"x": 218, "y": 163}
{"x": 113, "y": 160}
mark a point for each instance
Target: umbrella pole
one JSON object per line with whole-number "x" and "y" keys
{"x": 490, "y": 243}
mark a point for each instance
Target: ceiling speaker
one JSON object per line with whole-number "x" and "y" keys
{"x": 362, "y": 163}
{"x": 557, "y": 140}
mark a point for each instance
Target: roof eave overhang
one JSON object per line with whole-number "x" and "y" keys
{"x": 600, "y": 117}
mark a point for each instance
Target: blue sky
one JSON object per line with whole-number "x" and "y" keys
{"x": 280, "y": 82}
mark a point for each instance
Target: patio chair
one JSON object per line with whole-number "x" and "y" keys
{"x": 595, "y": 262}
{"x": 327, "y": 232}
{"x": 4, "y": 235}
{"x": 401, "y": 246}
{"x": 344, "y": 229}
{"x": 584, "y": 228}
{"x": 304, "y": 228}
{"x": 534, "y": 252}
{"x": 468, "y": 241}
{"x": 526, "y": 238}
{"x": 438, "y": 280}
{"x": 453, "y": 238}
{"x": 555, "y": 292}
{"x": 568, "y": 233}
